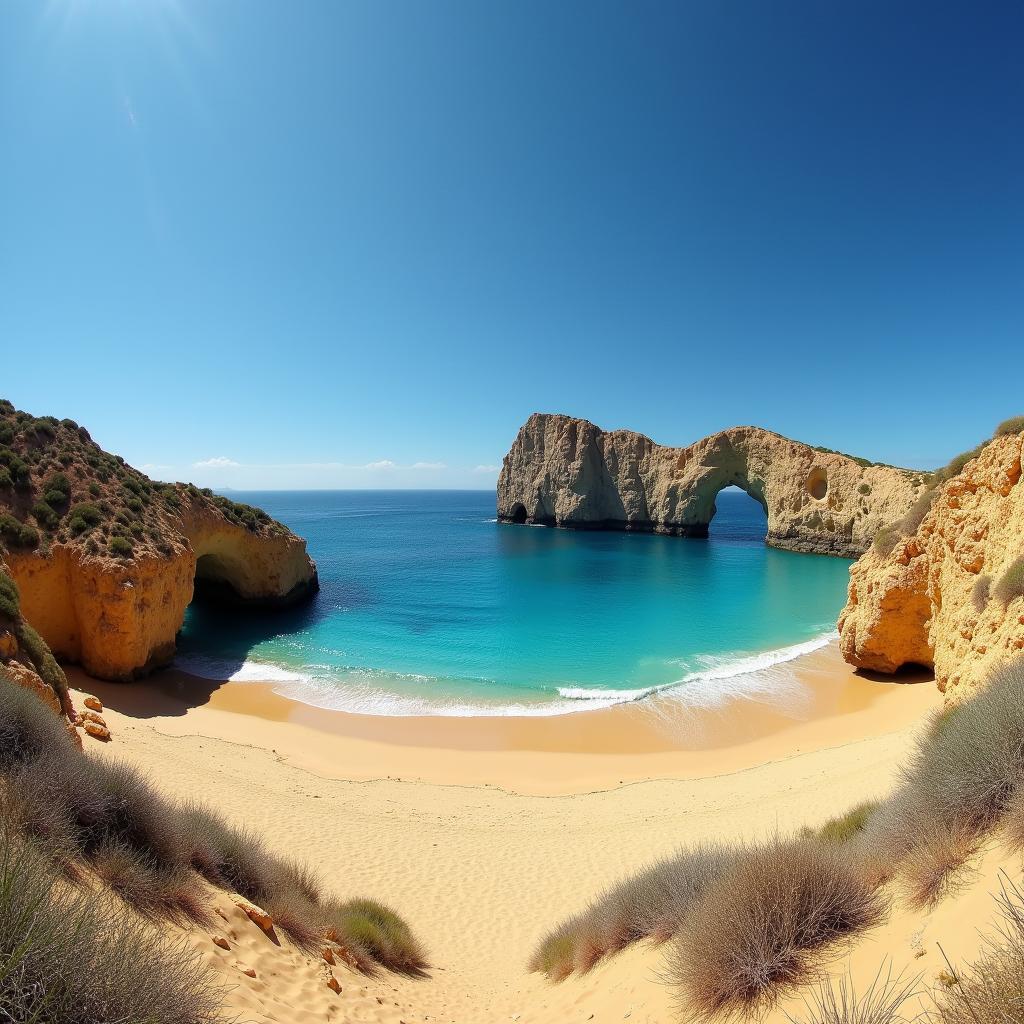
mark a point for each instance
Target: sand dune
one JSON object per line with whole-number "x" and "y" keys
{"x": 482, "y": 871}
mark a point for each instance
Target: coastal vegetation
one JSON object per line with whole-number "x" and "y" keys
{"x": 74, "y": 824}
{"x": 72, "y": 956}
{"x": 886, "y": 539}
{"x": 749, "y": 924}
{"x": 81, "y": 528}
{"x": 58, "y": 485}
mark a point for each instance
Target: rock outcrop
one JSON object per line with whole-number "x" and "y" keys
{"x": 567, "y": 472}
{"x": 949, "y": 594}
{"x": 107, "y": 560}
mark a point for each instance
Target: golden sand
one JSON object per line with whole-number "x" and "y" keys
{"x": 485, "y": 832}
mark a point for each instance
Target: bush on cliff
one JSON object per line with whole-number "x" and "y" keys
{"x": 1011, "y": 583}
{"x": 10, "y": 604}
{"x": 1014, "y": 425}
{"x": 17, "y": 535}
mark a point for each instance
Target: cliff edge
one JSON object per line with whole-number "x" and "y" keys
{"x": 107, "y": 560}
{"x": 567, "y": 472}
{"x": 946, "y": 589}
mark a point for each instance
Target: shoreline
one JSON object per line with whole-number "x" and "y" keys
{"x": 824, "y": 705}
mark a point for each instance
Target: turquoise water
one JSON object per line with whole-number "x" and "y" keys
{"x": 428, "y": 605}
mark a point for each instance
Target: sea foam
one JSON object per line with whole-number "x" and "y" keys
{"x": 718, "y": 680}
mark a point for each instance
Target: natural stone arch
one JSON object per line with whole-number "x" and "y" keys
{"x": 567, "y": 472}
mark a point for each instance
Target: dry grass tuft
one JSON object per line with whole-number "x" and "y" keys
{"x": 980, "y": 593}
{"x": 935, "y": 868}
{"x": 651, "y": 904}
{"x": 767, "y": 925}
{"x": 147, "y": 849}
{"x": 67, "y": 959}
{"x": 152, "y": 890}
{"x": 991, "y": 990}
{"x": 1011, "y": 584}
{"x": 837, "y": 1002}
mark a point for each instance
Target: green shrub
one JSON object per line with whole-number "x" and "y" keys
{"x": 121, "y": 547}
{"x": 46, "y": 665}
{"x": 849, "y": 825}
{"x": 16, "y": 534}
{"x": 89, "y": 514}
{"x": 864, "y": 488}
{"x": 57, "y": 489}
{"x": 10, "y": 603}
{"x": 45, "y": 515}
{"x": 375, "y": 929}
{"x": 1011, "y": 583}
{"x": 43, "y": 429}
{"x": 6, "y": 433}
{"x": 1014, "y": 425}
{"x": 5, "y": 477}
{"x": 94, "y": 489}
{"x": 913, "y": 519}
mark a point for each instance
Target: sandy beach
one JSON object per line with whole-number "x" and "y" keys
{"x": 486, "y": 832}
{"x": 821, "y": 703}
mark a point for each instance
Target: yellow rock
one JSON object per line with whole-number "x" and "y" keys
{"x": 119, "y": 618}
{"x": 563, "y": 471}
{"x": 93, "y": 703}
{"x": 219, "y": 940}
{"x": 255, "y": 914}
{"x": 98, "y": 732}
{"x": 24, "y": 676}
{"x": 8, "y": 644}
{"x": 934, "y": 599}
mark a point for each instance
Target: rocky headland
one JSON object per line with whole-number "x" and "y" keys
{"x": 944, "y": 587}
{"x": 567, "y": 472}
{"x": 106, "y": 560}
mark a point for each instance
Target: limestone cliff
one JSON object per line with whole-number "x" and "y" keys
{"x": 948, "y": 593}
{"x": 567, "y": 472}
{"x": 107, "y": 560}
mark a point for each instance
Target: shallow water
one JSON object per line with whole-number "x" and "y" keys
{"x": 428, "y": 605}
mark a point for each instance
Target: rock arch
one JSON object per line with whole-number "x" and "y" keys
{"x": 567, "y": 472}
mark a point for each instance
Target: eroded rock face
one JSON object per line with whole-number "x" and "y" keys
{"x": 563, "y": 471}
{"x": 935, "y": 598}
{"x": 119, "y": 618}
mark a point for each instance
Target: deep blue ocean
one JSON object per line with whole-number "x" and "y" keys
{"x": 430, "y": 606}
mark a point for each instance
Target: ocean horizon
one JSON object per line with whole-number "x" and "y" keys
{"x": 430, "y": 606}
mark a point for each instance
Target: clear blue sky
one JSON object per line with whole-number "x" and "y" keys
{"x": 310, "y": 238}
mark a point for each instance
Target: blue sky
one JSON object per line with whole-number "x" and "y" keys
{"x": 323, "y": 243}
